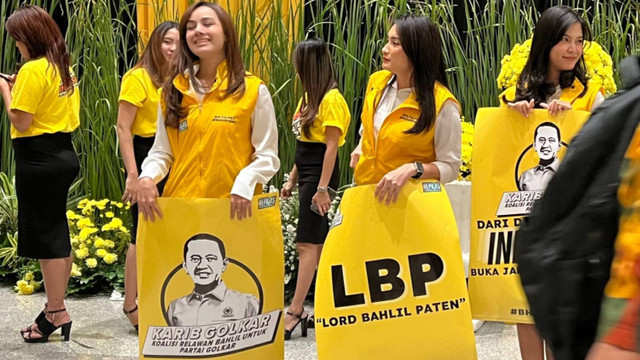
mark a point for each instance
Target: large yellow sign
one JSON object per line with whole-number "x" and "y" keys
{"x": 210, "y": 286}
{"x": 513, "y": 160}
{"x": 391, "y": 280}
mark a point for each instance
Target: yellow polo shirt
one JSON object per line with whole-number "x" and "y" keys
{"x": 333, "y": 111}
{"x": 38, "y": 90}
{"x": 139, "y": 90}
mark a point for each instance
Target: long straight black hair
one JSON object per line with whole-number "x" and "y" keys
{"x": 422, "y": 43}
{"x": 550, "y": 29}
{"x": 312, "y": 61}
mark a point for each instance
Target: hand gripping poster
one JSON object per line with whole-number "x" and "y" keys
{"x": 209, "y": 286}
{"x": 513, "y": 160}
{"x": 391, "y": 283}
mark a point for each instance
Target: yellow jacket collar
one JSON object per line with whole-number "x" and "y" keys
{"x": 570, "y": 94}
{"x": 181, "y": 82}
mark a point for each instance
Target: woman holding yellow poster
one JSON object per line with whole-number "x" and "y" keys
{"x": 410, "y": 120}
{"x": 553, "y": 78}
{"x": 216, "y": 128}
{"x": 320, "y": 124}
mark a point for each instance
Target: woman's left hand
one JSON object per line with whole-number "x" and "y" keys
{"x": 323, "y": 200}
{"x": 240, "y": 207}
{"x": 556, "y": 106}
{"x": 389, "y": 187}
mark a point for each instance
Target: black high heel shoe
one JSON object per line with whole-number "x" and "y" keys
{"x": 36, "y": 321}
{"x": 301, "y": 320}
{"x": 127, "y": 312}
{"x": 46, "y": 328}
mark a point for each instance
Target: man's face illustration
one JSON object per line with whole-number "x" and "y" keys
{"x": 547, "y": 142}
{"x": 204, "y": 262}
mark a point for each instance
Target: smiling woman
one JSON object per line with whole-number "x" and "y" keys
{"x": 214, "y": 116}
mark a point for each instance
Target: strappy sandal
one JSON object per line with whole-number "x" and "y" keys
{"x": 46, "y": 328}
{"x": 38, "y": 319}
{"x": 127, "y": 313}
{"x": 302, "y": 320}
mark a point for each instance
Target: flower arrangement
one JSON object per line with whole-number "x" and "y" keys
{"x": 597, "y": 60}
{"x": 99, "y": 241}
{"x": 467, "y": 147}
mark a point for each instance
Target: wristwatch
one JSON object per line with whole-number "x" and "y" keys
{"x": 322, "y": 189}
{"x": 419, "y": 170}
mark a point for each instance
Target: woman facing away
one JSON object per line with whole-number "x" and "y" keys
{"x": 320, "y": 124}
{"x": 43, "y": 106}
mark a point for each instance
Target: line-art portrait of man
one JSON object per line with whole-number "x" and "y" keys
{"x": 547, "y": 143}
{"x": 211, "y": 301}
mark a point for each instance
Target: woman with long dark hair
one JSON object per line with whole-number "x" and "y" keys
{"x": 216, "y": 126}
{"x": 410, "y": 120}
{"x": 555, "y": 75}
{"x": 43, "y": 106}
{"x": 137, "y": 115}
{"x": 554, "y": 78}
{"x": 320, "y": 124}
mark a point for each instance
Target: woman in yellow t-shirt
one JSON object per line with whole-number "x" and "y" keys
{"x": 410, "y": 120}
{"x": 43, "y": 107}
{"x": 216, "y": 130}
{"x": 137, "y": 114}
{"x": 320, "y": 124}
{"x": 553, "y": 78}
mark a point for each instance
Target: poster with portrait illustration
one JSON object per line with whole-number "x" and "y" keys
{"x": 209, "y": 286}
{"x": 514, "y": 158}
{"x": 391, "y": 283}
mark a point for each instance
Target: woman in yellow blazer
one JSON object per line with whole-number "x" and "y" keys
{"x": 216, "y": 126}
{"x": 554, "y": 78}
{"x": 137, "y": 115}
{"x": 43, "y": 106}
{"x": 410, "y": 120}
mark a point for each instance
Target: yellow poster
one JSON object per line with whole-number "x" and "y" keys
{"x": 513, "y": 160}
{"x": 391, "y": 283}
{"x": 209, "y": 286}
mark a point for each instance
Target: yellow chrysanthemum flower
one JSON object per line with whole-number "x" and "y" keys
{"x": 86, "y": 232}
{"x": 71, "y": 215}
{"x": 101, "y": 253}
{"x": 102, "y": 204}
{"x": 28, "y": 276}
{"x": 82, "y": 253}
{"x": 84, "y": 222}
{"x": 99, "y": 242}
{"x": 110, "y": 258}
{"x": 83, "y": 203}
{"x": 75, "y": 270}
{"x": 109, "y": 214}
{"x": 109, "y": 244}
{"x": 25, "y": 289}
{"x": 91, "y": 263}
{"x": 115, "y": 223}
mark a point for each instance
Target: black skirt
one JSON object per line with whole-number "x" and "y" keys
{"x": 45, "y": 168}
{"x": 141, "y": 147}
{"x": 312, "y": 228}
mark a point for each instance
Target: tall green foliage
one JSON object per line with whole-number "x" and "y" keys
{"x": 98, "y": 44}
